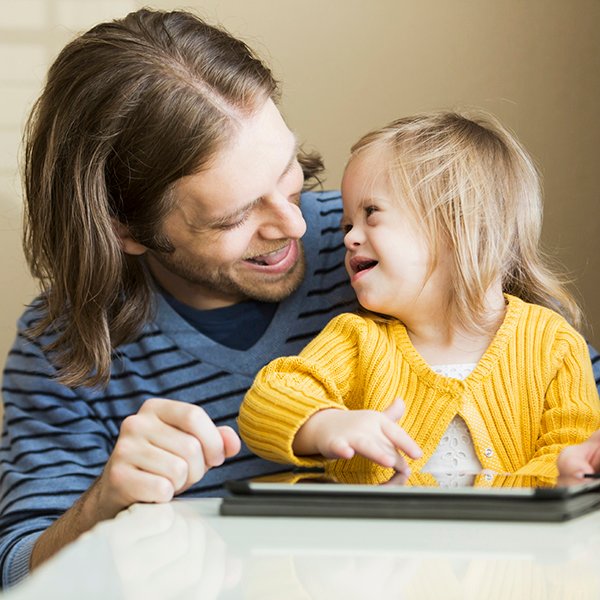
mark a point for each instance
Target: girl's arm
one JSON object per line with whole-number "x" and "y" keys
{"x": 290, "y": 389}
{"x": 571, "y": 409}
{"x": 297, "y": 410}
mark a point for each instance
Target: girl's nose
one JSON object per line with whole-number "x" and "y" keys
{"x": 353, "y": 238}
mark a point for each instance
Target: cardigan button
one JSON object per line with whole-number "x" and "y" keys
{"x": 489, "y": 452}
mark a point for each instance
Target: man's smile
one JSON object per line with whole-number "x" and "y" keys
{"x": 275, "y": 262}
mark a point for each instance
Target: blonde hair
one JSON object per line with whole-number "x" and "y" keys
{"x": 474, "y": 189}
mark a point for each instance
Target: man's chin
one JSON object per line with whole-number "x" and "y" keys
{"x": 275, "y": 293}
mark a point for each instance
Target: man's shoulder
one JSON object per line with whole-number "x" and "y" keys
{"x": 595, "y": 357}
{"x": 34, "y": 311}
{"x": 35, "y": 342}
{"x": 323, "y": 205}
{"x": 324, "y": 241}
{"x": 322, "y": 196}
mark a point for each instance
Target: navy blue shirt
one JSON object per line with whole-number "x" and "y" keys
{"x": 238, "y": 326}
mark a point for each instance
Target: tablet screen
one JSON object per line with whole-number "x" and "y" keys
{"x": 380, "y": 483}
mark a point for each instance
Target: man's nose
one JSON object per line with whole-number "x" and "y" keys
{"x": 283, "y": 219}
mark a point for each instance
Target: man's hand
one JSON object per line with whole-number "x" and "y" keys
{"x": 161, "y": 451}
{"x": 375, "y": 435}
{"x": 575, "y": 461}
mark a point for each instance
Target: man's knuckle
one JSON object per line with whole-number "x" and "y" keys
{"x": 179, "y": 468}
{"x": 152, "y": 405}
{"x": 195, "y": 417}
{"x": 121, "y": 450}
{"x": 117, "y": 475}
{"x": 191, "y": 447}
{"x": 162, "y": 489}
{"x": 131, "y": 425}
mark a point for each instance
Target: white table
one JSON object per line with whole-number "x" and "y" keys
{"x": 186, "y": 550}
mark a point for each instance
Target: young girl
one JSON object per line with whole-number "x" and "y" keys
{"x": 465, "y": 333}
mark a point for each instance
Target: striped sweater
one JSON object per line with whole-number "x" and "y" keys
{"x": 531, "y": 394}
{"x": 56, "y": 440}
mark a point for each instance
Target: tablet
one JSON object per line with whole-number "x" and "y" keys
{"x": 422, "y": 496}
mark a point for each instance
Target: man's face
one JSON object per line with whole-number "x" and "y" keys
{"x": 236, "y": 225}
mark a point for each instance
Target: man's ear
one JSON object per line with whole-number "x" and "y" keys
{"x": 128, "y": 244}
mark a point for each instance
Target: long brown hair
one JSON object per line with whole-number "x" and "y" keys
{"x": 129, "y": 108}
{"x": 474, "y": 189}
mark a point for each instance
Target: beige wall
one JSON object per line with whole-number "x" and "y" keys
{"x": 351, "y": 65}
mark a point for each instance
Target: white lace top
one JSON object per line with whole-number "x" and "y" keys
{"x": 454, "y": 461}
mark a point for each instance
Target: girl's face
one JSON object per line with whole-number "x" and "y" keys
{"x": 387, "y": 256}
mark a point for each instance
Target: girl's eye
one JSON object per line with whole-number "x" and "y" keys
{"x": 369, "y": 210}
{"x": 346, "y": 227}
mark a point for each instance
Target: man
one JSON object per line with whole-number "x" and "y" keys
{"x": 164, "y": 217}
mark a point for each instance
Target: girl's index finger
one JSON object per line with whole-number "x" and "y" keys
{"x": 401, "y": 439}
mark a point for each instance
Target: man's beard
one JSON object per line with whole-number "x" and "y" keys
{"x": 251, "y": 285}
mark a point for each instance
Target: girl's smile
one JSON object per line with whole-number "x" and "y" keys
{"x": 360, "y": 266}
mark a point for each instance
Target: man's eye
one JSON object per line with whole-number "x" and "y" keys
{"x": 233, "y": 225}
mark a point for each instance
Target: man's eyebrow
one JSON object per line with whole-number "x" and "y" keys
{"x": 234, "y": 216}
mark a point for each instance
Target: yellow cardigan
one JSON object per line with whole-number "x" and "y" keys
{"x": 531, "y": 394}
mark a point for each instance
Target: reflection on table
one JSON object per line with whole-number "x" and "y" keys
{"x": 185, "y": 550}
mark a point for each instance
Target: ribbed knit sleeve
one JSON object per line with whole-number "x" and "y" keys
{"x": 290, "y": 389}
{"x": 571, "y": 407}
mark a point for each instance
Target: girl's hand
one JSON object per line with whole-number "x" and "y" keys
{"x": 375, "y": 435}
{"x": 161, "y": 451}
{"x": 575, "y": 461}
